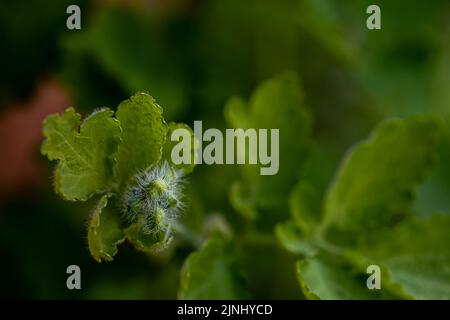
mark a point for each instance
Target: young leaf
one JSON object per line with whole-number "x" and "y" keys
{"x": 104, "y": 232}
{"x": 375, "y": 184}
{"x": 150, "y": 243}
{"x": 241, "y": 202}
{"x": 276, "y": 104}
{"x": 304, "y": 204}
{"x": 169, "y": 144}
{"x": 86, "y": 152}
{"x": 143, "y": 134}
{"x": 293, "y": 240}
{"x": 210, "y": 273}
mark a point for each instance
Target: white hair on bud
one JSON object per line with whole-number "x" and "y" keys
{"x": 154, "y": 199}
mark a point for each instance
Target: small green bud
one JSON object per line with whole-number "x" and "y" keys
{"x": 157, "y": 188}
{"x": 154, "y": 200}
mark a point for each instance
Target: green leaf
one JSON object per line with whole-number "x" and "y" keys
{"x": 104, "y": 232}
{"x": 375, "y": 184}
{"x": 143, "y": 135}
{"x": 241, "y": 202}
{"x": 149, "y": 243}
{"x": 371, "y": 194}
{"x": 236, "y": 113}
{"x": 294, "y": 240}
{"x": 210, "y": 273}
{"x": 305, "y": 206}
{"x": 169, "y": 144}
{"x": 336, "y": 262}
{"x": 306, "y": 198}
{"x": 416, "y": 254}
{"x": 276, "y": 104}
{"x": 329, "y": 277}
{"x": 86, "y": 152}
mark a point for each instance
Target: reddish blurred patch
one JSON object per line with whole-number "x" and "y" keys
{"x": 21, "y": 134}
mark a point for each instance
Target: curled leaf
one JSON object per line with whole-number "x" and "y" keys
{"x": 104, "y": 232}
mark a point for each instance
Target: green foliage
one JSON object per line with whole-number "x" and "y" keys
{"x": 86, "y": 152}
{"x": 327, "y": 277}
{"x": 367, "y": 219}
{"x": 102, "y": 155}
{"x": 416, "y": 254}
{"x": 211, "y": 272}
{"x": 374, "y": 186}
{"x": 305, "y": 203}
{"x": 104, "y": 233}
{"x": 384, "y": 202}
{"x": 149, "y": 243}
{"x": 366, "y": 216}
{"x": 143, "y": 135}
{"x": 279, "y": 104}
{"x": 186, "y": 168}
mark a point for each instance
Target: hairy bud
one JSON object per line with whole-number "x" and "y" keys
{"x": 154, "y": 201}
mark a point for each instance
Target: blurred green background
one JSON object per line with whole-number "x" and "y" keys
{"x": 192, "y": 56}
